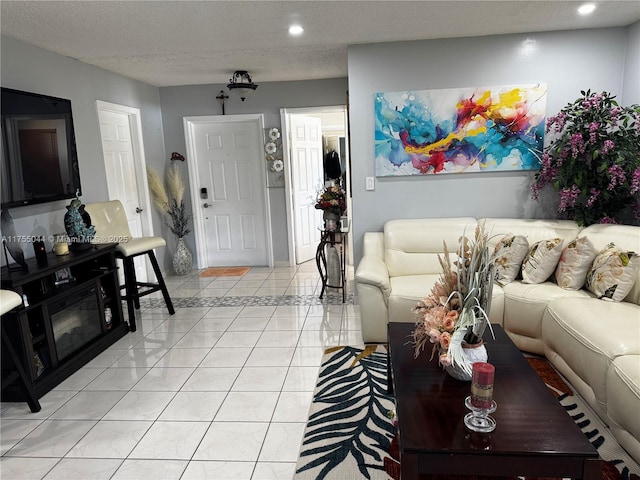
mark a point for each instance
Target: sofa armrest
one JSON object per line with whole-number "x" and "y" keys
{"x": 374, "y": 288}
{"x": 373, "y": 271}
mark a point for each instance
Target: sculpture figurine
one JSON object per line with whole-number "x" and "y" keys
{"x": 77, "y": 223}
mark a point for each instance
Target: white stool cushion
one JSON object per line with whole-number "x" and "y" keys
{"x": 133, "y": 246}
{"x": 8, "y": 301}
{"x": 111, "y": 225}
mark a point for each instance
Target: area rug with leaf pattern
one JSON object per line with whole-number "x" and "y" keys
{"x": 350, "y": 435}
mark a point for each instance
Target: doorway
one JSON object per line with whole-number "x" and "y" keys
{"x": 334, "y": 133}
{"x": 125, "y": 166}
{"x": 227, "y": 174}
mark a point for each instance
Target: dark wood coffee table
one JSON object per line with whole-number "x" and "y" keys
{"x": 534, "y": 435}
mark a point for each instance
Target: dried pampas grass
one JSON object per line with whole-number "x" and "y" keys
{"x": 171, "y": 205}
{"x": 175, "y": 183}
{"x": 158, "y": 192}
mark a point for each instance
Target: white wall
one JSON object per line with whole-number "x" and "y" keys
{"x": 32, "y": 69}
{"x": 268, "y": 99}
{"x": 567, "y": 61}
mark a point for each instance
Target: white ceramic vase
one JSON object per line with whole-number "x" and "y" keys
{"x": 472, "y": 354}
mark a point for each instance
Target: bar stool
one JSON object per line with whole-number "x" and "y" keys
{"x": 111, "y": 225}
{"x": 8, "y": 301}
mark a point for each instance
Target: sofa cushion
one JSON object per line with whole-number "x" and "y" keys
{"x": 507, "y": 257}
{"x": 613, "y": 273}
{"x": 406, "y": 292}
{"x": 541, "y": 260}
{"x": 623, "y": 402}
{"x": 412, "y": 246}
{"x": 533, "y": 230}
{"x": 575, "y": 261}
{"x": 524, "y": 306}
{"x": 624, "y": 236}
{"x": 583, "y": 336}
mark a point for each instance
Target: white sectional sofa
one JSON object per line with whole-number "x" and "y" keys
{"x": 594, "y": 343}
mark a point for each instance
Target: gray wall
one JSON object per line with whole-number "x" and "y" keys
{"x": 567, "y": 61}
{"x": 631, "y": 87}
{"x": 29, "y": 68}
{"x": 601, "y": 59}
{"x": 269, "y": 98}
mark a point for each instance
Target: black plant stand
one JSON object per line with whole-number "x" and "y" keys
{"x": 333, "y": 238}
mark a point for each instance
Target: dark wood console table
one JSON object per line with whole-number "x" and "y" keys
{"x": 72, "y": 313}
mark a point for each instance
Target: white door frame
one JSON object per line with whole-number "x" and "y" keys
{"x": 286, "y": 156}
{"x": 194, "y": 180}
{"x": 140, "y": 163}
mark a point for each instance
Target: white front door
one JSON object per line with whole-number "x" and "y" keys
{"x": 119, "y": 159}
{"x": 231, "y": 191}
{"x": 307, "y": 177}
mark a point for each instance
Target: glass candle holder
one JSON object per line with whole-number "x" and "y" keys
{"x": 481, "y": 402}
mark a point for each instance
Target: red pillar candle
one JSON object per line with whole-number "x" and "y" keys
{"x": 482, "y": 384}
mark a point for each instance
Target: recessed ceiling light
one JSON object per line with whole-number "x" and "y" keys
{"x": 295, "y": 30}
{"x": 586, "y": 9}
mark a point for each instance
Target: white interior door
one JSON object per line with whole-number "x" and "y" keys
{"x": 119, "y": 159}
{"x": 306, "y": 178}
{"x": 230, "y": 165}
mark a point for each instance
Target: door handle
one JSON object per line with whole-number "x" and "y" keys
{"x": 205, "y": 205}
{"x": 138, "y": 210}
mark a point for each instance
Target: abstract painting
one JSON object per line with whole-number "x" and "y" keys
{"x": 483, "y": 129}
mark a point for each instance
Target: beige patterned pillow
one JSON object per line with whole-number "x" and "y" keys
{"x": 541, "y": 260}
{"x": 575, "y": 261}
{"x": 507, "y": 257}
{"x": 613, "y": 273}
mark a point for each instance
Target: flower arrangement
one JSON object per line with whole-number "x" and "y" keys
{"x": 594, "y": 163}
{"x": 172, "y": 204}
{"x": 332, "y": 199}
{"x": 456, "y": 311}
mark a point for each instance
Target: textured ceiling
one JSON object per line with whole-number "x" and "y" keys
{"x": 168, "y": 43}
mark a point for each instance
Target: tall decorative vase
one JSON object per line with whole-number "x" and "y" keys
{"x": 472, "y": 353}
{"x": 182, "y": 259}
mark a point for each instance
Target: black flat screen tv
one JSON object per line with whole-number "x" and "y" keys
{"x": 39, "y": 159}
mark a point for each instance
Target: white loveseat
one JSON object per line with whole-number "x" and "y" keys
{"x": 594, "y": 343}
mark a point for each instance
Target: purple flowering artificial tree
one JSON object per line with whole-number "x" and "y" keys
{"x": 593, "y": 163}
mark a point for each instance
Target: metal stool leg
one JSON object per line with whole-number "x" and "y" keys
{"x": 131, "y": 289}
{"x": 160, "y": 279}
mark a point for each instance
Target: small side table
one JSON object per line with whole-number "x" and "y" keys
{"x": 333, "y": 238}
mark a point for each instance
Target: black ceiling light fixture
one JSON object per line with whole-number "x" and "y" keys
{"x": 241, "y": 84}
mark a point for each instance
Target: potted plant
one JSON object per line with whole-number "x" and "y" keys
{"x": 173, "y": 208}
{"x": 593, "y": 163}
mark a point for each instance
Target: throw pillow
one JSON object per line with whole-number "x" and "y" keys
{"x": 575, "y": 261}
{"x": 613, "y": 273}
{"x": 541, "y": 260}
{"x": 507, "y": 257}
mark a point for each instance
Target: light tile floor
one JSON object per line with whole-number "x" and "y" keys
{"x": 220, "y": 390}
